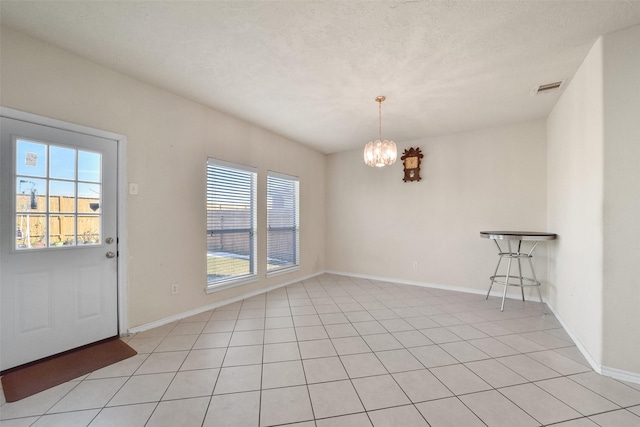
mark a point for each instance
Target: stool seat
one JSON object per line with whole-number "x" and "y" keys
{"x": 517, "y": 254}
{"x": 518, "y": 235}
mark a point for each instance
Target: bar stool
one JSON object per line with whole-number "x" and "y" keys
{"x": 510, "y": 279}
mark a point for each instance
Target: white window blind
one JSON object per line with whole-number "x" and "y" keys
{"x": 231, "y": 223}
{"x": 283, "y": 245}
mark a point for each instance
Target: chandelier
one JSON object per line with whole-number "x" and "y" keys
{"x": 379, "y": 153}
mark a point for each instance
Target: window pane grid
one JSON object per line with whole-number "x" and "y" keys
{"x": 283, "y": 229}
{"x": 231, "y": 223}
{"x": 54, "y": 184}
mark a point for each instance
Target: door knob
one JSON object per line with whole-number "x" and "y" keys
{"x": 109, "y": 240}
{"x": 111, "y": 254}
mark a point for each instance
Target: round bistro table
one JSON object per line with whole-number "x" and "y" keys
{"x": 517, "y": 253}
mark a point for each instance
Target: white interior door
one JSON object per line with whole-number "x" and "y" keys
{"x": 58, "y": 241}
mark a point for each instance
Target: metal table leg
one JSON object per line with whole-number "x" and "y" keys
{"x": 509, "y": 278}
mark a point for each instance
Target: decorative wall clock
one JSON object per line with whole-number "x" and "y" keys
{"x": 411, "y": 159}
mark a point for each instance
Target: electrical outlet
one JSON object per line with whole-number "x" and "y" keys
{"x": 415, "y": 265}
{"x": 174, "y": 289}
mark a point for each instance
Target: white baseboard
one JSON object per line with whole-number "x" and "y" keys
{"x": 595, "y": 365}
{"x": 202, "y": 309}
{"x": 432, "y": 285}
{"x": 619, "y": 374}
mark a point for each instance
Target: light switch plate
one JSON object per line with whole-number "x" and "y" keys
{"x": 133, "y": 189}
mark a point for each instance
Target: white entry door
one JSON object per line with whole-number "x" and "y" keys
{"x": 58, "y": 241}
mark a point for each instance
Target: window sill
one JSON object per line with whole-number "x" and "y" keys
{"x": 282, "y": 271}
{"x": 212, "y": 288}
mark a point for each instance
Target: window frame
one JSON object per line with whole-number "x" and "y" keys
{"x": 294, "y": 226}
{"x": 252, "y": 275}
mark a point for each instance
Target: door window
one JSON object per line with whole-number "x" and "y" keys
{"x": 58, "y": 196}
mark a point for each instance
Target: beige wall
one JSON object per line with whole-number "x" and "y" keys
{"x": 574, "y": 181}
{"x": 593, "y": 158}
{"x": 575, "y": 197}
{"x": 485, "y": 180}
{"x": 621, "y": 334}
{"x": 169, "y": 140}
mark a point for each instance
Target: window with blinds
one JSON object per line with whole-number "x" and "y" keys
{"x": 283, "y": 245}
{"x": 231, "y": 224}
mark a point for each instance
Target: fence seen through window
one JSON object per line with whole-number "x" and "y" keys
{"x": 283, "y": 249}
{"x": 57, "y": 196}
{"x": 231, "y": 222}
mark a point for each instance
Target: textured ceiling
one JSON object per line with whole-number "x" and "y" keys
{"x": 311, "y": 70}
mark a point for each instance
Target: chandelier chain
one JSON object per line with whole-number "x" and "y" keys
{"x": 380, "y": 119}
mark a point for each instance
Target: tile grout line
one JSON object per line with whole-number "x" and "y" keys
{"x": 382, "y": 293}
{"x": 306, "y": 382}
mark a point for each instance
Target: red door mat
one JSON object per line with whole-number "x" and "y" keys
{"x": 38, "y": 376}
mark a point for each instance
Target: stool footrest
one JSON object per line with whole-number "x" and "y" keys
{"x": 529, "y": 281}
{"x": 515, "y": 255}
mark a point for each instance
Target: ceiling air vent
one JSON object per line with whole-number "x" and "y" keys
{"x": 548, "y": 87}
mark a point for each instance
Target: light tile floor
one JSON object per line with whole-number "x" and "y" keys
{"x": 339, "y": 351}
